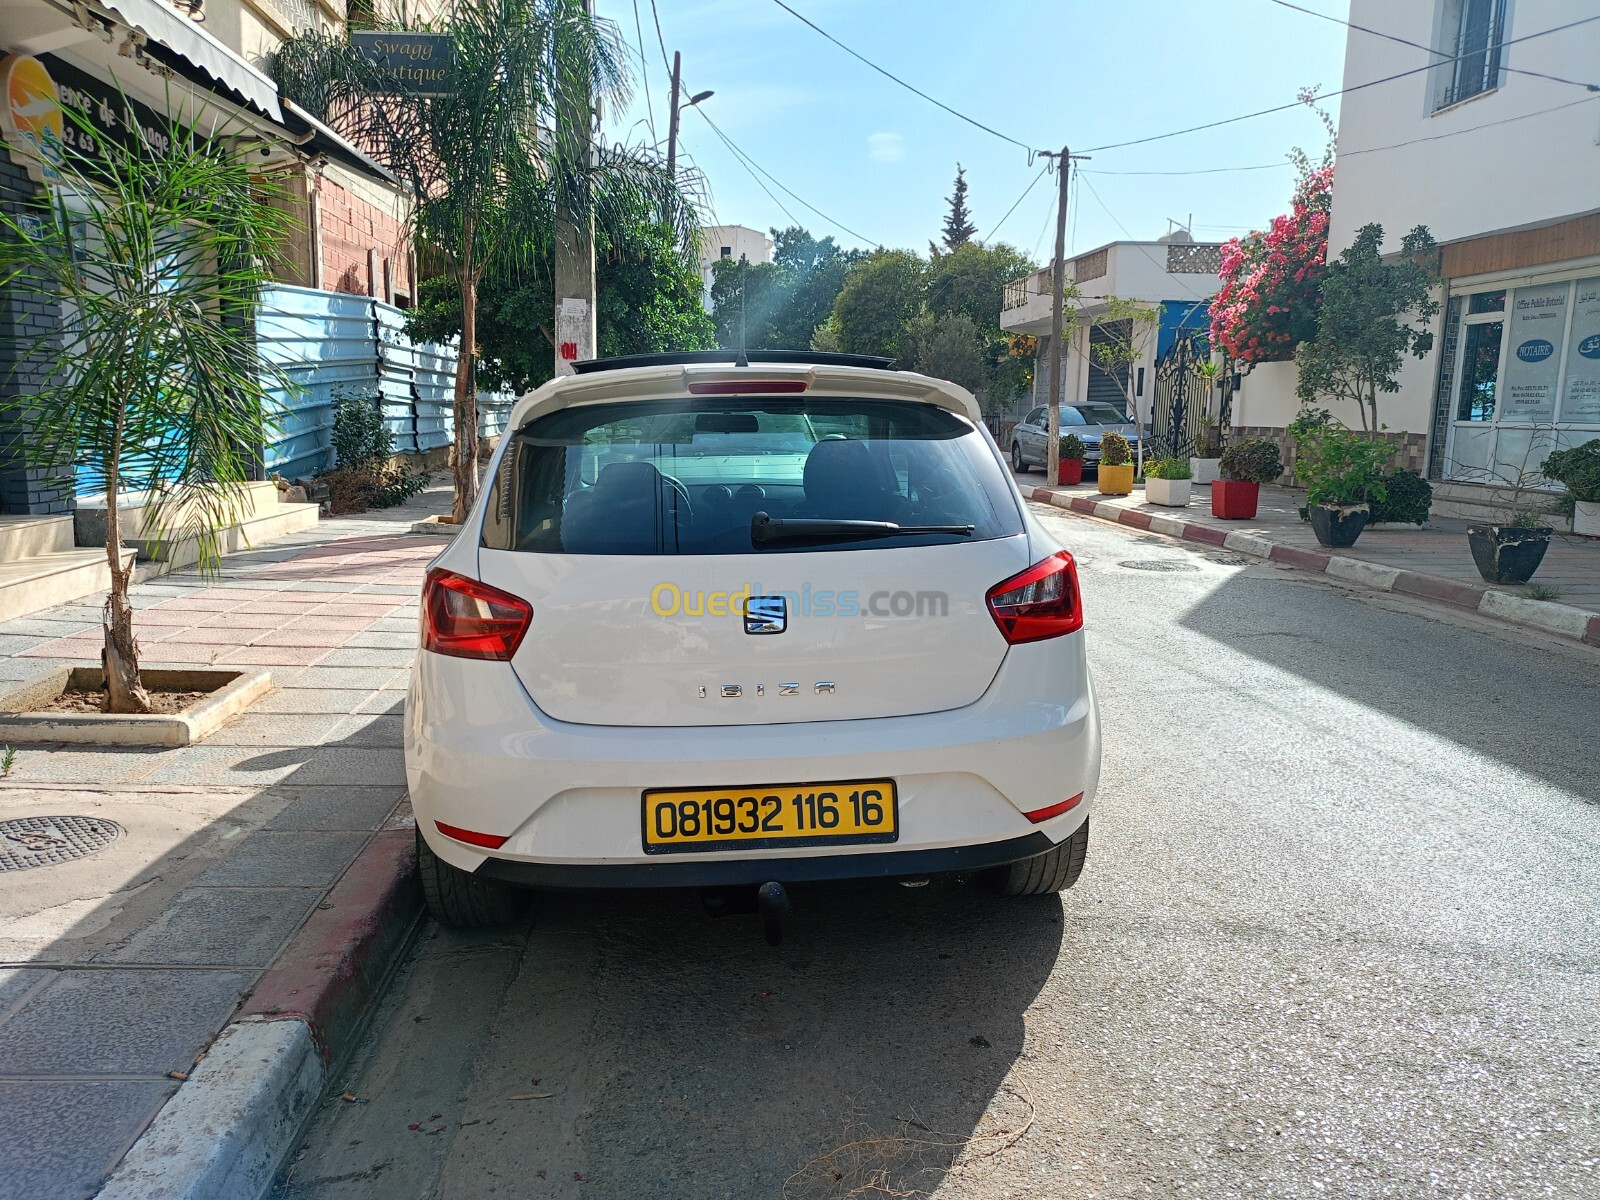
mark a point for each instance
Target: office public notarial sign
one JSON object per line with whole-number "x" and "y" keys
{"x": 411, "y": 64}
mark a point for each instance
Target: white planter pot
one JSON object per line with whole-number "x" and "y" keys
{"x": 1586, "y": 518}
{"x": 1204, "y": 470}
{"x": 1173, "y": 493}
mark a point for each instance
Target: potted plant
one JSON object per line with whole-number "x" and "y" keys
{"x": 1205, "y": 464}
{"x": 1116, "y": 465}
{"x": 1579, "y": 470}
{"x": 1166, "y": 482}
{"x": 1243, "y": 468}
{"x": 1343, "y": 474}
{"x": 1510, "y": 553}
{"x": 1071, "y": 465}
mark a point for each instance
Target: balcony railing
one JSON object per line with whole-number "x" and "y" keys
{"x": 1194, "y": 258}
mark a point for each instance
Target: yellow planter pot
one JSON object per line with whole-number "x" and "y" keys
{"x": 1116, "y": 481}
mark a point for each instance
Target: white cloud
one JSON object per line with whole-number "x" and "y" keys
{"x": 886, "y": 147}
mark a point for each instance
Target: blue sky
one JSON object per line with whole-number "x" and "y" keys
{"x": 881, "y": 160}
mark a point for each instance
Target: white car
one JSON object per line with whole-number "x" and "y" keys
{"x": 722, "y": 621}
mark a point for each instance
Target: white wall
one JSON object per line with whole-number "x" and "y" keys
{"x": 1524, "y": 167}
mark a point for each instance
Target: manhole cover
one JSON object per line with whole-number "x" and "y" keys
{"x": 1229, "y": 560}
{"x": 1157, "y": 564}
{"x": 42, "y": 841}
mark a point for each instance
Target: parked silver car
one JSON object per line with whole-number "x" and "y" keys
{"x": 1089, "y": 420}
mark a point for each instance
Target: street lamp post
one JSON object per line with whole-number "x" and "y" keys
{"x": 672, "y": 120}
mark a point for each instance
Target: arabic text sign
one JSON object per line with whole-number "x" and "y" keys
{"x": 414, "y": 64}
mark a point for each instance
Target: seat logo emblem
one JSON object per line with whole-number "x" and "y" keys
{"x": 766, "y": 614}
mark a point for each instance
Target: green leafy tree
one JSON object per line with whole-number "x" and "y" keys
{"x": 491, "y": 165}
{"x": 958, "y": 226}
{"x": 1373, "y": 314}
{"x": 745, "y": 299}
{"x": 155, "y": 383}
{"x": 880, "y": 297}
{"x": 950, "y": 347}
{"x": 813, "y": 272}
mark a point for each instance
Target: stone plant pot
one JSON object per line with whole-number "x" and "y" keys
{"x": 1508, "y": 553}
{"x": 1339, "y": 525}
{"x": 1586, "y": 518}
{"x": 1204, "y": 470}
{"x": 1172, "y": 493}
{"x": 1116, "y": 480}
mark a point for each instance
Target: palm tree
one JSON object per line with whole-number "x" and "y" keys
{"x": 155, "y": 245}
{"x": 490, "y": 165}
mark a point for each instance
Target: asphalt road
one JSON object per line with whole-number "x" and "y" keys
{"x": 1337, "y": 937}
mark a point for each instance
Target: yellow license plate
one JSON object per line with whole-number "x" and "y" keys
{"x": 677, "y": 820}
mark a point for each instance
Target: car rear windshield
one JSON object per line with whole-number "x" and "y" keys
{"x": 690, "y": 476}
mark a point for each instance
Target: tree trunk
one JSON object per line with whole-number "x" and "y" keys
{"x": 119, "y": 660}
{"x": 464, "y": 454}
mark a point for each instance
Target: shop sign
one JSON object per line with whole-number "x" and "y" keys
{"x": 1581, "y": 401}
{"x": 408, "y": 64}
{"x": 1538, "y": 318}
{"x": 31, "y": 116}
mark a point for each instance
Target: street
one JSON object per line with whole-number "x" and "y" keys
{"x": 1336, "y": 937}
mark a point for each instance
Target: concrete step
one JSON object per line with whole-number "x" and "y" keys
{"x": 260, "y": 500}
{"x": 24, "y": 536}
{"x": 41, "y": 581}
{"x": 275, "y": 522}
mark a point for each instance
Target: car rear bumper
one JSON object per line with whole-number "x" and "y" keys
{"x": 481, "y": 756}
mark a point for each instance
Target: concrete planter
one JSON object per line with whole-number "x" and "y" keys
{"x": 231, "y": 693}
{"x": 1171, "y": 493}
{"x": 1204, "y": 470}
{"x": 1586, "y": 518}
{"x": 439, "y": 525}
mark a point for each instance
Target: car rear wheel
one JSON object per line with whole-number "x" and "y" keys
{"x": 1017, "y": 464}
{"x": 1053, "y": 871}
{"x": 462, "y": 900}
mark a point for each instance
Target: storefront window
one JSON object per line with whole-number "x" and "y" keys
{"x": 1581, "y": 401}
{"x": 1487, "y": 302}
{"x": 1533, "y": 364}
{"x": 1480, "y": 370}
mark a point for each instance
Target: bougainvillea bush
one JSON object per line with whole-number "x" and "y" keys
{"x": 1267, "y": 304}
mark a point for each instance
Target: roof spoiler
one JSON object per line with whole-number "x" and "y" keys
{"x": 737, "y": 358}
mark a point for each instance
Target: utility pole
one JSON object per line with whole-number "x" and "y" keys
{"x": 1052, "y": 450}
{"x": 672, "y": 119}
{"x": 574, "y": 250}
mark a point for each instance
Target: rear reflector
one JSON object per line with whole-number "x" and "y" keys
{"x": 467, "y": 619}
{"x": 1040, "y": 603}
{"x": 1043, "y": 814}
{"x": 743, "y": 387}
{"x": 489, "y": 841}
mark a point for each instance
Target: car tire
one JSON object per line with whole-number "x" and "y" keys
{"x": 460, "y": 899}
{"x": 1053, "y": 871}
{"x": 1018, "y": 463}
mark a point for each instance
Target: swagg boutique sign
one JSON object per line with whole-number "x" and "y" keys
{"x": 408, "y": 64}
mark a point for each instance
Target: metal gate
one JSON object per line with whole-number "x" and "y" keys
{"x": 1182, "y": 388}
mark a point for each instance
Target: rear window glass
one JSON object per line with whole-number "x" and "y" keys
{"x": 689, "y": 476}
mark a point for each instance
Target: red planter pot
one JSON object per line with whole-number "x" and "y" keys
{"x": 1234, "y": 501}
{"x": 1071, "y": 470}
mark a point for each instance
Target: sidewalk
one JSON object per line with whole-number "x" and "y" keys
{"x": 118, "y": 969}
{"x": 1432, "y": 561}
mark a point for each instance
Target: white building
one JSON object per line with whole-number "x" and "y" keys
{"x": 730, "y": 241}
{"x": 1175, "y": 272}
{"x": 1503, "y": 167}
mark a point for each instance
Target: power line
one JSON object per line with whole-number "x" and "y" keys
{"x": 1204, "y": 171}
{"x": 1469, "y": 129}
{"x": 666, "y": 59}
{"x": 909, "y": 87}
{"x": 644, "y": 67}
{"x": 1311, "y": 12}
{"x": 1157, "y": 137}
{"x": 1140, "y": 246}
{"x": 1031, "y": 184}
{"x": 750, "y": 162}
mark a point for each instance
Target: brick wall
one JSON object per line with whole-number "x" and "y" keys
{"x": 29, "y": 320}
{"x": 1409, "y": 453}
{"x": 352, "y": 228}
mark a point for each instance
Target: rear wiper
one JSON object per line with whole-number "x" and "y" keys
{"x": 764, "y": 528}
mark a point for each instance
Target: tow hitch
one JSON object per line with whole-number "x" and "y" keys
{"x": 771, "y": 900}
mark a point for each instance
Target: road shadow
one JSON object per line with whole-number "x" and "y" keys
{"x": 1533, "y": 710}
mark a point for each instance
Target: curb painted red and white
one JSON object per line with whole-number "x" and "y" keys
{"x": 1548, "y": 617}
{"x": 227, "y": 1132}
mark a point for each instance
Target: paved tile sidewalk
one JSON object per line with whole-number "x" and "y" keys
{"x": 118, "y": 969}
{"x": 1571, "y": 567}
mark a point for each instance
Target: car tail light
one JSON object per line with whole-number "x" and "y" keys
{"x": 1040, "y": 603}
{"x": 1040, "y": 815}
{"x": 746, "y": 387}
{"x": 467, "y": 619}
{"x": 489, "y": 841}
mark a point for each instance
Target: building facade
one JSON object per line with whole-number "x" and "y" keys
{"x": 731, "y": 242}
{"x": 1495, "y": 148}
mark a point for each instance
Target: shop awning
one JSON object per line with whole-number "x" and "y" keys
{"x": 190, "y": 42}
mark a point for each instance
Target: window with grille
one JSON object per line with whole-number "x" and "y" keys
{"x": 1473, "y": 36}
